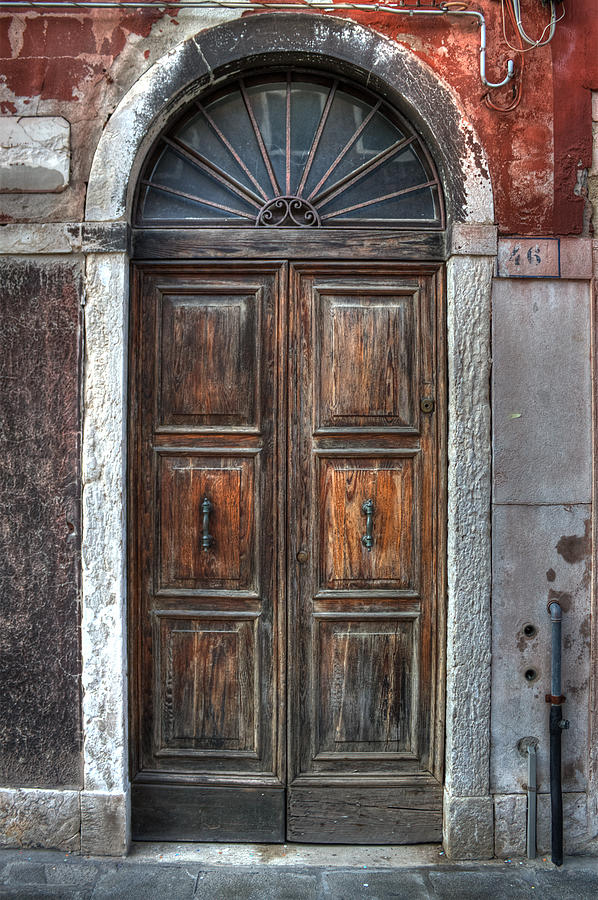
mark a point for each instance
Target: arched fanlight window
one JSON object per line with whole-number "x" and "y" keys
{"x": 290, "y": 149}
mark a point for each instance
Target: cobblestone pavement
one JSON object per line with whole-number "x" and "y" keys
{"x": 27, "y": 875}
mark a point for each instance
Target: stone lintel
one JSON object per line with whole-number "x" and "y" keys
{"x": 62, "y": 237}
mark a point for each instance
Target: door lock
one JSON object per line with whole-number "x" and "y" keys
{"x": 427, "y": 405}
{"x": 302, "y": 556}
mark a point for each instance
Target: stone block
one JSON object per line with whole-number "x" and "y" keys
{"x": 473, "y": 240}
{"x": 576, "y": 258}
{"x": 539, "y": 553}
{"x": 33, "y": 239}
{"x": 528, "y": 258}
{"x": 468, "y": 827}
{"x": 104, "y": 238}
{"x": 103, "y": 526}
{"x": 510, "y": 825}
{"x": 468, "y": 546}
{"x": 575, "y": 822}
{"x": 35, "y": 154}
{"x": 595, "y": 106}
{"x": 35, "y": 818}
{"x": 105, "y": 824}
{"x": 541, "y": 391}
{"x": 53, "y": 237}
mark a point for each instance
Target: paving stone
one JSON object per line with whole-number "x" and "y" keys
{"x": 500, "y": 884}
{"x": 21, "y": 872}
{"x": 133, "y": 882}
{"x": 266, "y": 884}
{"x": 74, "y": 873}
{"x": 130, "y": 880}
{"x": 58, "y": 892}
{"x": 364, "y": 883}
{"x": 39, "y": 878}
{"x": 565, "y": 883}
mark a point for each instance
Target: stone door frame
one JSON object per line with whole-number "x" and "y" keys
{"x": 428, "y": 103}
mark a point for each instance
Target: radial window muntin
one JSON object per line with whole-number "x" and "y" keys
{"x": 290, "y": 148}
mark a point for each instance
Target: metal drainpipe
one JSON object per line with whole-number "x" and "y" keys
{"x": 557, "y": 724}
{"x": 527, "y": 747}
{"x": 531, "y": 801}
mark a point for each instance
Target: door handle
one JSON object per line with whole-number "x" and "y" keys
{"x": 207, "y": 540}
{"x": 368, "y": 510}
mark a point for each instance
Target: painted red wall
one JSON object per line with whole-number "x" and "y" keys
{"x": 575, "y": 75}
{"x": 79, "y": 65}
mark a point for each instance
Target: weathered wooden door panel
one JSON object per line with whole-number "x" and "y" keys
{"x": 215, "y": 423}
{"x": 364, "y": 536}
{"x": 379, "y": 329}
{"x": 346, "y": 484}
{"x": 205, "y": 516}
{"x": 218, "y": 387}
{"x": 368, "y": 814}
{"x": 228, "y": 561}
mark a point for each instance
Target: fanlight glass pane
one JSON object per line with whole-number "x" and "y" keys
{"x": 307, "y": 105}
{"x": 292, "y": 150}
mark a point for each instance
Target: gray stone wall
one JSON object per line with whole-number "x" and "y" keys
{"x": 40, "y": 708}
{"x": 542, "y": 443}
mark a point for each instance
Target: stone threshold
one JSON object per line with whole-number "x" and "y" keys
{"x": 289, "y": 855}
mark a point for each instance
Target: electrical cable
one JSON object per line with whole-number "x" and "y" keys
{"x": 518, "y": 94}
{"x": 515, "y": 15}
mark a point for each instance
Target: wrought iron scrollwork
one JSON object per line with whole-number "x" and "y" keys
{"x": 288, "y": 211}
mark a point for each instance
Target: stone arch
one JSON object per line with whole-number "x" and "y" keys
{"x": 274, "y": 38}
{"x": 363, "y": 55}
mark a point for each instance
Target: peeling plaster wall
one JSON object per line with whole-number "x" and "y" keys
{"x": 79, "y": 65}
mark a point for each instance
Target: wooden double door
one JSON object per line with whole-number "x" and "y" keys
{"x": 286, "y": 551}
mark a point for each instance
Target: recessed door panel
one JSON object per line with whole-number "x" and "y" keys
{"x": 207, "y": 521}
{"x": 365, "y": 681}
{"x": 368, "y": 518}
{"x": 206, "y": 671}
{"x": 368, "y": 360}
{"x": 217, "y": 385}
